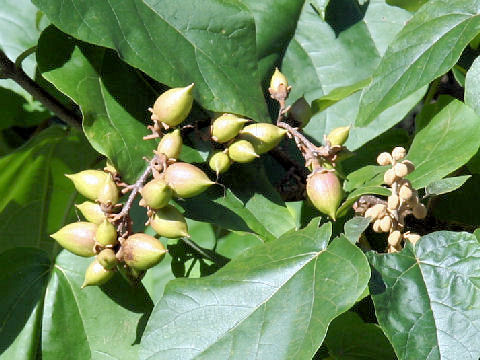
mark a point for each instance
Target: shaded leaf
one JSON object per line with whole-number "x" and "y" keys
{"x": 410, "y": 5}
{"x": 349, "y": 338}
{"x": 112, "y": 96}
{"x": 444, "y": 144}
{"x": 445, "y": 185}
{"x": 427, "y": 47}
{"x": 354, "y": 227}
{"x": 370, "y": 175}
{"x": 472, "y": 86}
{"x": 426, "y": 297}
{"x": 217, "y": 53}
{"x": 241, "y": 312}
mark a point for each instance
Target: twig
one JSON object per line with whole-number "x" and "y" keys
{"x": 9, "y": 70}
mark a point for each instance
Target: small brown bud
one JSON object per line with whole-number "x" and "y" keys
{"x": 377, "y": 227}
{"x": 419, "y": 211}
{"x": 394, "y": 238}
{"x": 393, "y": 202}
{"x": 386, "y": 223}
{"x": 406, "y": 192}
{"x": 384, "y": 159}
{"x": 377, "y": 211}
{"x": 401, "y": 170}
{"x": 389, "y": 177}
{"x": 399, "y": 153}
{"x": 410, "y": 166}
{"x": 413, "y": 238}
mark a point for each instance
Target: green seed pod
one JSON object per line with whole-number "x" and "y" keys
{"x": 141, "y": 251}
{"x": 264, "y": 137}
{"x": 91, "y": 212}
{"x": 89, "y": 183}
{"x": 169, "y": 222}
{"x": 242, "y": 151}
{"x": 78, "y": 238}
{"x": 339, "y": 135}
{"x": 173, "y": 106}
{"x": 325, "y": 192}
{"x": 107, "y": 259}
{"x": 226, "y": 127}
{"x": 219, "y": 162}
{"x": 186, "y": 180}
{"x": 171, "y": 144}
{"x": 109, "y": 192}
{"x": 277, "y": 80}
{"x": 96, "y": 274}
{"x": 106, "y": 234}
{"x": 156, "y": 193}
{"x": 301, "y": 111}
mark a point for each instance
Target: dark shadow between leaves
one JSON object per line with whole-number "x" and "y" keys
{"x": 342, "y": 14}
{"x": 376, "y": 283}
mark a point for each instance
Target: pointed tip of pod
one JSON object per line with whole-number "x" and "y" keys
{"x": 339, "y": 135}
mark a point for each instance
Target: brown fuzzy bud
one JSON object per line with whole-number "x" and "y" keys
{"x": 389, "y": 177}
{"x": 97, "y": 275}
{"x": 242, "y": 151}
{"x": 325, "y": 192}
{"x": 413, "y": 238}
{"x": 169, "y": 222}
{"x": 393, "y": 202}
{"x": 384, "y": 159}
{"x": 377, "y": 226}
{"x": 399, "y": 153}
{"x": 395, "y": 238}
{"x": 419, "y": 211}
{"x": 376, "y": 211}
{"x": 225, "y": 127}
{"x": 186, "y": 180}
{"x": 406, "y": 192}
{"x": 78, "y": 238}
{"x": 386, "y": 223}
{"x": 106, "y": 234}
{"x": 173, "y": 106}
{"x": 264, "y": 137}
{"x": 171, "y": 144}
{"x": 107, "y": 259}
{"x": 141, "y": 251}
{"x": 401, "y": 170}
{"x": 410, "y": 166}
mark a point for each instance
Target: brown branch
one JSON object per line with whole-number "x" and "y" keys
{"x": 9, "y": 70}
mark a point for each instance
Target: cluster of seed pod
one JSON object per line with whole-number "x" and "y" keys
{"x": 97, "y": 236}
{"x": 390, "y": 217}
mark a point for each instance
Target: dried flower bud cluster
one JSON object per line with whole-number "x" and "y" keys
{"x": 390, "y": 217}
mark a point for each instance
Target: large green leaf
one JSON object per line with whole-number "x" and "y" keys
{"x": 274, "y": 301}
{"x": 349, "y": 338}
{"x": 472, "y": 86}
{"x": 112, "y": 96}
{"x": 446, "y": 185}
{"x": 36, "y": 199}
{"x": 249, "y": 203}
{"x": 427, "y": 47}
{"x": 445, "y": 144}
{"x": 427, "y": 297}
{"x": 208, "y": 42}
{"x": 320, "y": 60}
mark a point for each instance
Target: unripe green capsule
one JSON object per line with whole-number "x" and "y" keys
{"x": 325, "y": 192}
{"x": 78, "y": 238}
{"x": 96, "y": 274}
{"x": 106, "y": 234}
{"x": 186, "y": 180}
{"x": 156, "y": 193}
{"x": 109, "y": 192}
{"x": 171, "y": 144}
{"x": 226, "y": 127}
{"x": 169, "y": 222}
{"x": 301, "y": 111}
{"x": 339, "y": 135}
{"x": 107, "y": 259}
{"x": 219, "y": 162}
{"x": 91, "y": 212}
{"x": 89, "y": 183}
{"x": 264, "y": 137}
{"x": 242, "y": 151}
{"x": 141, "y": 251}
{"x": 173, "y": 106}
